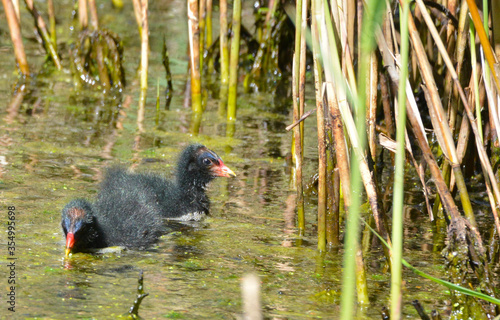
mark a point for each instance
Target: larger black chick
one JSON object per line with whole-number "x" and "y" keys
{"x": 130, "y": 208}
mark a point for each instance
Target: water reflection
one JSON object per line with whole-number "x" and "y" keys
{"x": 15, "y": 104}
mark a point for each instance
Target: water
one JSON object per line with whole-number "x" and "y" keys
{"x": 57, "y": 144}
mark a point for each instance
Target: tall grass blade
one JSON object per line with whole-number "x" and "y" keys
{"x": 398, "y": 198}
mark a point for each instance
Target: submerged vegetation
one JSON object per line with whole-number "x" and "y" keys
{"x": 401, "y": 90}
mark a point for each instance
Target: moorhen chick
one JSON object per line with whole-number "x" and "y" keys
{"x": 130, "y": 207}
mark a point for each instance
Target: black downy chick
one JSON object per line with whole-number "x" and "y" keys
{"x": 130, "y": 207}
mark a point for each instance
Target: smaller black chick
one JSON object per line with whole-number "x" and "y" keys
{"x": 86, "y": 228}
{"x": 79, "y": 222}
{"x": 130, "y": 207}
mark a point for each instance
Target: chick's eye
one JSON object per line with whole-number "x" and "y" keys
{"x": 207, "y": 161}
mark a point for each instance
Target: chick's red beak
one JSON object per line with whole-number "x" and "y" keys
{"x": 70, "y": 242}
{"x": 223, "y": 171}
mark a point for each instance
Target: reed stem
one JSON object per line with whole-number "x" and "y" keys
{"x": 16, "y": 37}
{"x": 137, "y": 13}
{"x": 83, "y": 17}
{"x": 302, "y": 71}
{"x": 233, "y": 66}
{"x": 224, "y": 56}
{"x": 475, "y": 82}
{"x": 208, "y": 33}
{"x": 144, "y": 64}
{"x": 320, "y": 118}
{"x": 321, "y": 176}
{"x": 42, "y": 29}
{"x": 483, "y": 37}
{"x": 209, "y": 36}
{"x": 52, "y": 22}
{"x": 94, "y": 19}
{"x": 194, "y": 53}
{"x": 202, "y": 23}
{"x": 297, "y": 132}
{"x": 398, "y": 198}
{"x": 15, "y": 3}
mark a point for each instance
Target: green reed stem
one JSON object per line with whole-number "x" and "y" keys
{"x": 44, "y": 33}
{"x": 398, "y": 202}
{"x": 52, "y": 22}
{"x": 233, "y": 66}
{"x": 224, "y": 56}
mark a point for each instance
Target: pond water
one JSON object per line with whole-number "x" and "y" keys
{"x": 56, "y": 145}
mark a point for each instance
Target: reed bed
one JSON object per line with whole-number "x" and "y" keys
{"x": 349, "y": 85}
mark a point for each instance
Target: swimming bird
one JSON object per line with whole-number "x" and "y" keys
{"x": 130, "y": 208}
